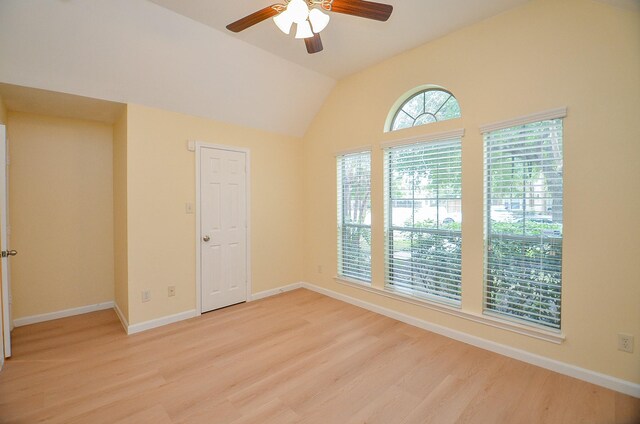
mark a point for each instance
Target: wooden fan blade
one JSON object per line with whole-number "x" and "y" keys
{"x": 314, "y": 44}
{"x": 363, "y": 9}
{"x": 254, "y": 18}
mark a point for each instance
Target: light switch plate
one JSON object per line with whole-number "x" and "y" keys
{"x": 146, "y": 296}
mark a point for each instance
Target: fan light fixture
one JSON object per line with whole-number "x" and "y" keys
{"x": 308, "y": 22}
{"x": 309, "y": 17}
{"x": 284, "y": 21}
{"x": 304, "y": 30}
{"x": 319, "y": 20}
{"x": 298, "y": 10}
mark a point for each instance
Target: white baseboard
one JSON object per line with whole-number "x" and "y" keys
{"x": 273, "y": 292}
{"x": 123, "y": 320}
{"x": 613, "y": 383}
{"x": 34, "y": 319}
{"x": 159, "y": 322}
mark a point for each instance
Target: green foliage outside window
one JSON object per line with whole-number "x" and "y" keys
{"x": 523, "y": 262}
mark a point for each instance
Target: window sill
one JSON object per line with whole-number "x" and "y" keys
{"x": 491, "y": 321}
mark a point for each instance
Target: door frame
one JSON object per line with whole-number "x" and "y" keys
{"x": 4, "y": 211}
{"x": 199, "y": 145}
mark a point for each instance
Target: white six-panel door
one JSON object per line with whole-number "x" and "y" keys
{"x": 223, "y": 227}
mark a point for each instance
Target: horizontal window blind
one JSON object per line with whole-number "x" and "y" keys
{"x": 354, "y": 216}
{"x": 423, "y": 219}
{"x": 523, "y": 222}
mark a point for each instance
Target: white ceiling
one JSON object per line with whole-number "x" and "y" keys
{"x": 33, "y": 100}
{"x": 350, "y": 43}
{"x": 133, "y": 51}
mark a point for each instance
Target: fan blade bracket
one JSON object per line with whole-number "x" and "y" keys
{"x": 324, "y": 4}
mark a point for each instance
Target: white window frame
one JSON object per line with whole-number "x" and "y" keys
{"x": 436, "y": 138}
{"x": 553, "y": 114}
{"x": 399, "y": 108}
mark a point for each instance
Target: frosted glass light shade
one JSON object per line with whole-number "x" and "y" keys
{"x": 298, "y": 10}
{"x": 284, "y": 21}
{"x": 319, "y": 20}
{"x": 304, "y": 30}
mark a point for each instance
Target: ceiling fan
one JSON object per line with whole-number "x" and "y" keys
{"x": 309, "y": 17}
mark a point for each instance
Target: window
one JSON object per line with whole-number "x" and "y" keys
{"x": 426, "y": 107}
{"x": 523, "y": 226}
{"x": 354, "y": 216}
{"x": 423, "y": 220}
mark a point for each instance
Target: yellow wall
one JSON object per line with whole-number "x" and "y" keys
{"x": 161, "y": 179}
{"x": 546, "y": 54}
{"x": 120, "y": 253}
{"x": 61, "y": 208}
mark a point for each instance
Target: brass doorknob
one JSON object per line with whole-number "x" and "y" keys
{"x": 206, "y": 238}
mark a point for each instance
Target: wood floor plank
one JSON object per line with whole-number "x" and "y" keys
{"x": 310, "y": 368}
{"x": 391, "y": 406}
{"x": 341, "y": 404}
{"x": 81, "y": 403}
{"x": 627, "y": 410}
{"x": 156, "y": 415}
{"x": 273, "y": 412}
{"x": 223, "y": 411}
{"x": 298, "y": 357}
{"x": 496, "y": 401}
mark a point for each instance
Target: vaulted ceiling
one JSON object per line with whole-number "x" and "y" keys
{"x": 350, "y": 43}
{"x": 177, "y": 55}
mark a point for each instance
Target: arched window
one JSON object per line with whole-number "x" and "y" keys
{"x": 425, "y": 107}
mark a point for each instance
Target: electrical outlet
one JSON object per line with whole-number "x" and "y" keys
{"x": 625, "y": 342}
{"x": 146, "y": 296}
{"x": 319, "y": 269}
{"x": 172, "y": 291}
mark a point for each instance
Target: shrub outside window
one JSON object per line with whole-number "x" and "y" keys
{"x": 523, "y": 222}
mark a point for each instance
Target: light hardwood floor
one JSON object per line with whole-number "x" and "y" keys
{"x": 299, "y": 357}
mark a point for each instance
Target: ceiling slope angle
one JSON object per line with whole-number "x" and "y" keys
{"x": 134, "y": 51}
{"x": 351, "y": 44}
